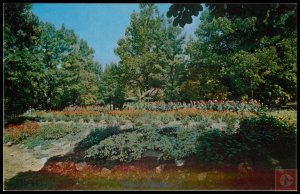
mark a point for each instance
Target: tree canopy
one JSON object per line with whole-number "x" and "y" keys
{"x": 240, "y": 51}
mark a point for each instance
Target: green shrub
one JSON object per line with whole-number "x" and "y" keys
{"x": 216, "y": 146}
{"x": 169, "y": 131}
{"x": 86, "y": 120}
{"x": 58, "y": 119}
{"x": 139, "y": 122}
{"x": 6, "y": 138}
{"x": 198, "y": 118}
{"x": 122, "y": 121}
{"x": 97, "y": 135}
{"x": 176, "y": 146}
{"x": 172, "y": 143}
{"x": 267, "y": 136}
{"x": 42, "y": 119}
{"x": 185, "y": 120}
{"x": 96, "y": 119}
{"x": 67, "y": 119}
{"x": 123, "y": 147}
{"x": 50, "y": 119}
{"x": 167, "y": 119}
{"x": 56, "y": 131}
{"x": 76, "y": 119}
{"x": 256, "y": 140}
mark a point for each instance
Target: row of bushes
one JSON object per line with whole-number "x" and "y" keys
{"x": 181, "y": 113}
{"x": 256, "y": 139}
{"x": 217, "y": 105}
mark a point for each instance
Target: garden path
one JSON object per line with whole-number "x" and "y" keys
{"x": 18, "y": 159}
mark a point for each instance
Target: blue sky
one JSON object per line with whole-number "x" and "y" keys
{"x": 101, "y": 25}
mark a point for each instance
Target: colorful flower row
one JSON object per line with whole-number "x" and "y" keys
{"x": 181, "y": 113}
{"x": 85, "y": 108}
{"x": 17, "y": 132}
{"x": 218, "y": 105}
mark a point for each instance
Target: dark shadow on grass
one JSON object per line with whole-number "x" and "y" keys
{"x": 39, "y": 180}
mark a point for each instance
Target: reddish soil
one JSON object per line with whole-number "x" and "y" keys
{"x": 143, "y": 169}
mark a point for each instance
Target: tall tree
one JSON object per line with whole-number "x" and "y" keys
{"x": 82, "y": 75}
{"x": 45, "y": 67}
{"x": 150, "y": 52}
{"x": 244, "y": 50}
{"x": 171, "y": 53}
{"x": 138, "y": 50}
{"x": 21, "y": 58}
{"x": 112, "y": 89}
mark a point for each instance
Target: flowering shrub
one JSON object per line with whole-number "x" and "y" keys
{"x": 75, "y": 113}
{"x": 132, "y": 113}
{"x": 69, "y": 113}
{"x": 217, "y": 105}
{"x": 86, "y": 108}
{"x": 181, "y": 113}
{"x": 287, "y": 116}
{"x": 18, "y": 132}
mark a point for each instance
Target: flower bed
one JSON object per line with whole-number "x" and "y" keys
{"x": 18, "y": 132}
{"x": 218, "y": 105}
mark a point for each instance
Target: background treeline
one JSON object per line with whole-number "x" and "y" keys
{"x": 239, "y": 51}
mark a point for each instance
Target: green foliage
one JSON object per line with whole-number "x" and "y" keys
{"x": 217, "y": 105}
{"x": 171, "y": 142}
{"x": 67, "y": 119}
{"x": 183, "y": 13}
{"x": 56, "y": 131}
{"x": 122, "y": 147}
{"x": 34, "y": 142}
{"x": 97, "y": 135}
{"x": 96, "y": 119}
{"x": 86, "y": 119}
{"x": 6, "y": 138}
{"x": 287, "y": 116}
{"x": 150, "y": 54}
{"x": 167, "y": 118}
{"x": 175, "y": 147}
{"x": 168, "y": 131}
{"x": 45, "y": 67}
{"x": 211, "y": 146}
{"x": 241, "y": 54}
{"x": 112, "y": 87}
{"x": 21, "y": 58}
{"x": 76, "y": 119}
{"x": 185, "y": 120}
{"x": 256, "y": 140}
{"x": 267, "y": 136}
{"x": 42, "y": 119}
